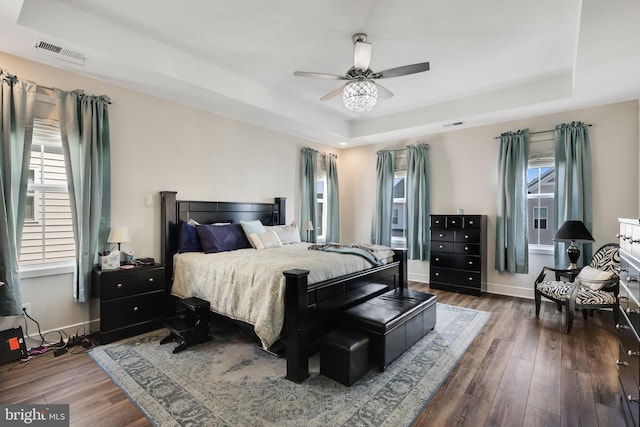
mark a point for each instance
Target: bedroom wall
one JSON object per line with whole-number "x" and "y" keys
{"x": 160, "y": 145}
{"x": 464, "y": 175}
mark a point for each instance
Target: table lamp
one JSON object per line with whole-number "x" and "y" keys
{"x": 308, "y": 227}
{"x": 572, "y": 231}
{"x": 118, "y": 235}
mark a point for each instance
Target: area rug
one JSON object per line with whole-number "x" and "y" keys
{"x": 230, "y": 381}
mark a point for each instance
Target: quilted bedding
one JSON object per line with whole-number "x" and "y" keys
{"x": 248, "y": 284}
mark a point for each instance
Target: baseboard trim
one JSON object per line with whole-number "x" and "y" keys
{"x": 491, "y": 288}
{"x": 53, "y": 335}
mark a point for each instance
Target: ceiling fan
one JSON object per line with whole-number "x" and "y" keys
{"x": 360, "y": 92}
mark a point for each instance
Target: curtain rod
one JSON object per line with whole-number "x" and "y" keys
{"x": 400, "y": 149}
{"x": 542, "y": 131}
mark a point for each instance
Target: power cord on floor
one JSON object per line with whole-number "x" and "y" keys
{"x": 81, "y": 338}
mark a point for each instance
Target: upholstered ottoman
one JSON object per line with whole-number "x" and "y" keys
{"x": 344, "y": 356}
{"x": 393, "y": 321}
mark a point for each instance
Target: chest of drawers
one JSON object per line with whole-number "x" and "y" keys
{"x": 629, "y": 326}
{"x": 131, "y": 302}
{"x": 458, "y": 253}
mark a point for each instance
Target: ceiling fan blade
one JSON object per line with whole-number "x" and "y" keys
{"x": 332, "y": 94}
{"x": 384, "y": 92}
{"x": 361, "y": 55}
{"x": 402, "y": 71}
{"x": 319, "y": 75}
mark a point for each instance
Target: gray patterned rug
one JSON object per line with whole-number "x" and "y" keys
{"x": 232, "y": 382}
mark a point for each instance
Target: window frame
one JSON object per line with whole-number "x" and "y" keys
{"x": 538, "y": 164}
{"x": 38, "y": 190}
{"x": 399, "y": 241}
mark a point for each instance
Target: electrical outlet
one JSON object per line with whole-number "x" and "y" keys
{"x": 26, "y": 306}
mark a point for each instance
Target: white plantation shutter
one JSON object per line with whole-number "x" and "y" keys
{"x": 48, "y": 233}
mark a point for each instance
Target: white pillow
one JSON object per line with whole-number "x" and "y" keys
{"x": 286, "y": 233}
{"x": 265, "y": 240}
{"x": 252, "y": 227}
{"x": 589, "y": 273}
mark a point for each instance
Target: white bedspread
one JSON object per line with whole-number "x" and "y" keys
{"x": 248, "y": 284}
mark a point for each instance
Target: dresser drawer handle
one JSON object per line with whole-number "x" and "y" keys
{"x": 632, "y": 310}
{"x": 632, "y": 279}
{"x": 471, "y": 222}
{"x": 466, "y": 236}
{"x": 619, "y": 326}
{"x": 135, "y": 308}
{"x": 119, "y": 285}
{"x": 470, "y": 278}
{"x": 621, "y": 363}
{"x": 633, "y": 398}
{"x": 633, "y": 353}
{"x": 470, "y": 262}
{"x": 466, "y": 248}
{"x": 437, "y": 274}
{"x": 623, "y": 297}
{"x": 437, "y": 259}
{"x": 151, "y": 279}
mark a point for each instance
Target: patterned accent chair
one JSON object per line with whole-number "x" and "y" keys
{"x": 596, "y": 286}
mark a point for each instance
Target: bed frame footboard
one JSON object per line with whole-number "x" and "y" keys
{"x": 301, "y": 299}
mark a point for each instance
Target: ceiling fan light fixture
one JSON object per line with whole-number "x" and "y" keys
{"x": 360, "y": 95}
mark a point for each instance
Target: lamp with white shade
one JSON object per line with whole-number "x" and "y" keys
{"x": 308, "y": 227}
{"x": 119, "y": 235}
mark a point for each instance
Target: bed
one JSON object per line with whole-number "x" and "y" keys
{"x": 302, "y": 295}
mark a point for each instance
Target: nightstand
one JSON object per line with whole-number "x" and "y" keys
{"x": 132, "y": 301}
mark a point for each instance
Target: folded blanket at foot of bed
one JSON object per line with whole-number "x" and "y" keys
{"x": 375, "y": 254}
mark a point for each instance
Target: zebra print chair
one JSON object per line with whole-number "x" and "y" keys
{"x": 596, "y": 286}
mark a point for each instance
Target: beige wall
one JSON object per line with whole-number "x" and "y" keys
{"x": 464, "y": 175}
{"x": 160, "y": 145}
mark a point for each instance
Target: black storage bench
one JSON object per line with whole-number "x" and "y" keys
{"x": 191, "y": 328}
{"x": 344, "y": 355}
{"x": 393, "y": 321}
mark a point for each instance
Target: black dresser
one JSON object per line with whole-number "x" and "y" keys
{"x": 132, "y": 301}
{"x": 458, "y": 245}
{"x": 629, "y": 326}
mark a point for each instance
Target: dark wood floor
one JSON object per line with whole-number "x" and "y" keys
{"x": 519, "y": 371}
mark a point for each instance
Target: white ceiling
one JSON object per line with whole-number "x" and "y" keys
{"x": 491, "y": 60}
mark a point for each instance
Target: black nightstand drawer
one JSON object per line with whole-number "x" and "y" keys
{"x": 129, "y": 311}
{"x": 454, "y": 221}
{"x": 117, "y": 284}
{"x": 149, "y": 280}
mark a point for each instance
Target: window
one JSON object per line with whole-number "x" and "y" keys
{"x": 540, "y": 217}
{"x": 398, "y": 219}
{"x": 541, "y": 208}
{"x": 47, "y": 235}
{"x": 321, "y": 208}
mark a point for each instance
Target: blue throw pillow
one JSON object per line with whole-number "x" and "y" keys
{"x": 221, "y": 238}
{"x": 189, "y": 240}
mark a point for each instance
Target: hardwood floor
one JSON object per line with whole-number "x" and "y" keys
{"x": 519, "y": 371}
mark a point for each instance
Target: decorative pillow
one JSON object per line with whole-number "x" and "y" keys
{"x": 265, "y": 240}
{"x": 221, "y": 238}
{"x": 188, "y": 238}
{"x": 252, "y": 227}
{"x": 589, "y": 273}
{"x": 286, "y": 233}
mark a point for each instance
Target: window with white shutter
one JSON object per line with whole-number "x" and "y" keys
{"x": 47, "y": 235}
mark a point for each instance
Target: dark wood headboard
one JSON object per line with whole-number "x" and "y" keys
{"x": 172, "y": 211}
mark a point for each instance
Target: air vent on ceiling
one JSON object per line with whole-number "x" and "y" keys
{"x": 60, "y": 52}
